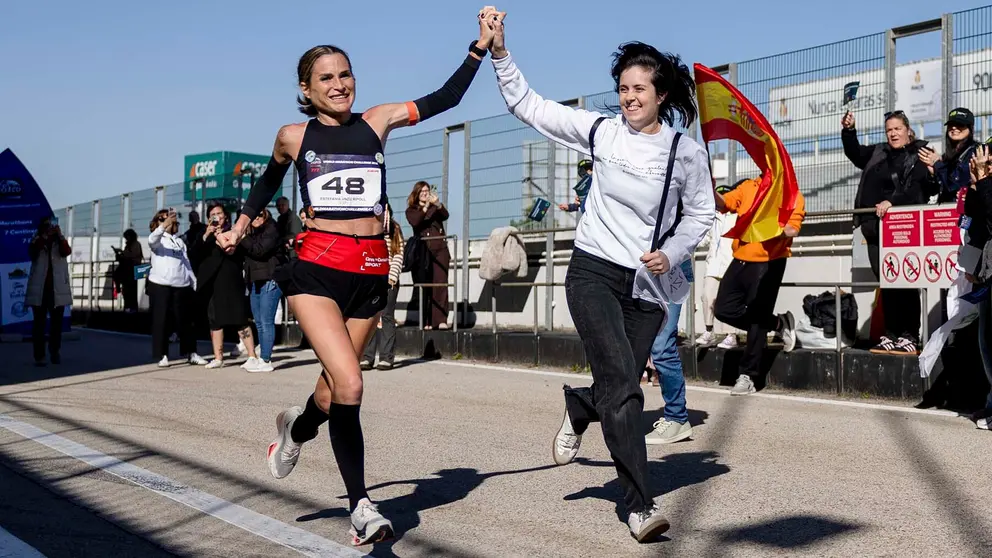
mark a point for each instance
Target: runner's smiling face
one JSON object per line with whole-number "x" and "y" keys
{"x": 639, "y": 100}
{"x": 332, "y": 85}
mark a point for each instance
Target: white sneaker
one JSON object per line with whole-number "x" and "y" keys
{"x": 668, "y": 432}
{"x": 707, "y": 339}
{"x": 261, "y": 366}
{"x": 249, "y": 364}
{"x": 283, "y": 452}
{"x": 567, "y": 442}
{"x": 647, "y": 525}
{"x": 197, "y": 360}
{"x": 744, "y": 386}
{"x": 215, "y": 363}
{"x": 788, "y": 331}
{"x": 729, "y": 342}
{"x": 984, "y": 423}
{"x": 368, "y": 525}
{"x": 164, "y": 362}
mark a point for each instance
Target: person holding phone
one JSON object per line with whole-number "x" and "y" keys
{"x": 170, "y": 285}
{"x": 426, "y": 214}
{"x": 950, "y": 171}
{"x": 892, "y": 175}
{"x": 220, "y": 284}
{"x": 48, "y": 291}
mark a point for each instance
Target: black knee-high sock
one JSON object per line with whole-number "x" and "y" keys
{"x": 306, "y": 425}
{"x": 348, "y": 444}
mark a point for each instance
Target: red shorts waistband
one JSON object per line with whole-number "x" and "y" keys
{"x": 354, "y": 254}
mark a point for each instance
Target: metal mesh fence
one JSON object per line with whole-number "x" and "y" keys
{"x": 410, "y": 159}
{"x": 971, "y": 83}
{"x": 801, "y": 94}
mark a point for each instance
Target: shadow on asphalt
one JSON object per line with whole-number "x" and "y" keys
{"x": 788, "y": 532}
{"x": 445, "y": 487}
{"x": 672, "y": 472}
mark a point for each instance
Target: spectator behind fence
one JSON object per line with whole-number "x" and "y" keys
{"x": 581, "y": 189}
{"x": 427, "y": 216}
{"x": 749, "y": 289}
{"x": 263, "y": 248}
{"x": 220, "y": 284}
{"x": 718, "y": 257}
{"x": 48, "y": 291}
{"x": 127, "y": 259}
{"x": 288, "y": 226}
{"x": 170, "y": 286}
{"x": 978, "y": 206}
{"x": 893, "y": 175}
{"x": 384, "y": 337}
{"x": 951, "y": 171}
{"x": 195, "y": 230}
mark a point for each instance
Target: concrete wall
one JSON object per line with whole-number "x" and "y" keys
{"x": 815, "y": 259}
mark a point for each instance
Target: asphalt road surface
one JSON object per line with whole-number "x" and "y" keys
{"x": 109, "y": 455}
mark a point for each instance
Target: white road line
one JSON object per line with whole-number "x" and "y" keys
{"x": 718, "y": 391}
{"x": 302, "y": 541}
{"x": 13, "y": 547}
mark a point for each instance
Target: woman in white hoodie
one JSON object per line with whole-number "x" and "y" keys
{"x": 170, "y": 287}
{"x": 616, "y": 236}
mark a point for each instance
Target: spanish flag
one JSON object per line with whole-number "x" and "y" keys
{"x": 725, "y": 113}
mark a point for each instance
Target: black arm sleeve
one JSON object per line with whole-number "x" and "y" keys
{"x": 265, "y": 188}
{"x": 451, "y": 92}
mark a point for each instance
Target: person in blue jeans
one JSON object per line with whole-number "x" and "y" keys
{"x": 262, "y": 249}
{"x": 674, "y": 424}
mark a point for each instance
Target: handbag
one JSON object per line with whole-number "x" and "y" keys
{"x": 415, "y": 255}
{"x": 672, "y": 286}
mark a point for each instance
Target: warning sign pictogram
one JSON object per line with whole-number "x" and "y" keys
{"x": 933, "y": 264}
{"x": 911, "y": 267}
{"x": 890, "y": 267}
{"x": 951, "y": 266}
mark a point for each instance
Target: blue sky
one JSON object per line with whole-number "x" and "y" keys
{"x": 107, "y": 97}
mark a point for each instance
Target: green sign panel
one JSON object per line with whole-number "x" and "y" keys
{"x": 219, "y": 174}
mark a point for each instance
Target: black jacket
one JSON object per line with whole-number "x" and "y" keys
{"x": 911, "y": 186}
{"x": 978, "y": 206}
{"x": 261, "y": 249}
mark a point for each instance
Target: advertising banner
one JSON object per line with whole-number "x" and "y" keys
{"x": 22, "y": 205}
{"x": 219, "y": 174}
{"x": 919, "y": 247}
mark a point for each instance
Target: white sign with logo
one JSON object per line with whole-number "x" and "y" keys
{"x": 815, "y": 108}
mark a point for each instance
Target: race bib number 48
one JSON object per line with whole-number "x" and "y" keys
{"x": 344, "y": 183}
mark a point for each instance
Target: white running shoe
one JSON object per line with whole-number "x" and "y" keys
{"x": 729, "y": 342}
{"x": 744, "y": 386}
{"x": 368, "y": 525}
{"x": 647, "y": 525}
{"x": 283, "y": 452}
{"x": 707, "y": 339}
{"x": 788, "y": 331}
{"x": 197, "y": 360}
{"x": 249, "y": 364}
{"x": 215, "y": 363}
{"x": 164, "y": 362}
{"x": 567, "y": 442}
{"x": 261, "y": 366}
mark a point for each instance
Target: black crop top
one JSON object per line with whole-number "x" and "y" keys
{"x": 342, "y": 170}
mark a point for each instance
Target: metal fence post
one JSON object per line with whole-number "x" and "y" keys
{"x": 731, "y": 148}
{"x": 454, "y": 283}
{"x": 466, "y": 210}
{"x": 947, "y": 62}
{"x": 924, "y": 325}
{"x": 840, "y": 345}
{"x": 890, "y": 70}
{"x": 549, "y": 247}
{"x": 444, "y": 173}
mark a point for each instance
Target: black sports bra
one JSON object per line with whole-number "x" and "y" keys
{"x": 342, "y": 170}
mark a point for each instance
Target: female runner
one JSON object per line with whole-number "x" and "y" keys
{"x": 339, "y": 284}
{"x": 631, "y": 162}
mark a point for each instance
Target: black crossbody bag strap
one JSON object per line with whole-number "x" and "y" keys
{"x": 592, "y": 138}
{"x": 656, "y": 239}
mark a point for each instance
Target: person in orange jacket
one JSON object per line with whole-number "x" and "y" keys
{"x": 749, "y": 289}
